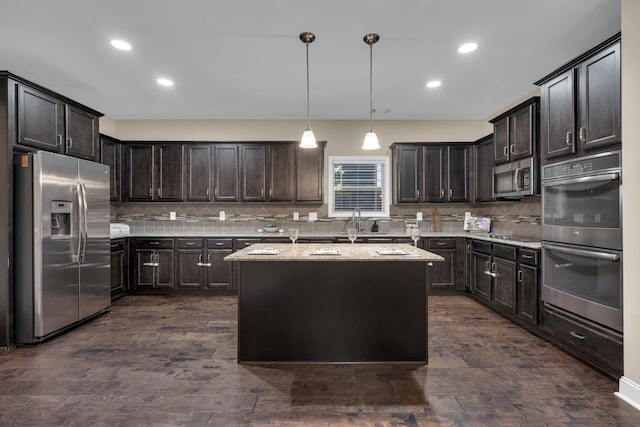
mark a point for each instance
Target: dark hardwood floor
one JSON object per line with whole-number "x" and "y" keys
{"x": 164, "y": 361}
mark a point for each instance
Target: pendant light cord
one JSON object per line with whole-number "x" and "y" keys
{"x": 308, "y": 116}
{"x": 371, "y": 88}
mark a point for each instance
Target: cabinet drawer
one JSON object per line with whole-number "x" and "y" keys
{"x": 220, "y": 243}
{"x": 117, "y": 245}
{"x": 441, "y": 244}
{"x": 243, "y": 243}
{"x": 481, "y": 247}
{"x": 585, "y": 336}
{"x": 189, "y": 243}
{"x": 153, "y": 243}
{"x": 528, "y": 256}
{"x": 505, "y": 252}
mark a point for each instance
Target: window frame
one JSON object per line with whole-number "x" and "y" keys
{"x": 386, "y": 185}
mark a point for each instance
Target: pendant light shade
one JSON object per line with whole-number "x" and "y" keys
{"x": 371, "y": 139}
{"x": 308, "y": 138}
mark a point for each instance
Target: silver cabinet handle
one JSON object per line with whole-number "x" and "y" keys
{"x": 468, "y": 249}
{"x": 450, "y": 193}
{"x": 430, "y": 264}
{"x": 215, "y": 192}
{"x": 505, "y": 151}
{"x": 69, "y": 142}
{"x": 262, "y": 192}
{"x": 59, "y": 139}
{"x": 271, "y": 192}
{"x": 513, "y": 148}
{"x": 219, "y": 244}
{"x": 441, "y": 243}
{"x": 519, "y": 275}
{"x": 576, "y": 335}
{"x": 582, "y": 134}
{"x": 150, "y": 191}
{"x": 486, "y": 266}
{"x": 190, "y": 243}
{"x": 148, "y": 264}
{"x": 493, "y": 267}
{"x": 527, "y": 256}
{"x": 442, "y": 193}
{"x": 154, "y": 243}
{"x": 207, "y": 191}
{"x": 568, "y": 138}
{"x": 489, "y": 273}
{"x": 159, "y": 192}
{"x": 417, "y": 193}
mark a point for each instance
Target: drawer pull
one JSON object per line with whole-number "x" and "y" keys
{"x": 527, "y": 256}
{"x": 154, "y": 243}
{"x": 489, "y": 273}
{"x": 576, "y": 335}
{"x": 114, "y": 245}
{"x": 430, "y": 264}
{"x": 190, "y": 243}
{"x": 441, "y": 243}
{"x": 219, "y": 244}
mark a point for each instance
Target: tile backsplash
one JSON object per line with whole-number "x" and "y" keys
{"x": 516, "y": 217}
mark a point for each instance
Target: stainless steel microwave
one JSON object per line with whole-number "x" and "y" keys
{"x": 517, "y": 179}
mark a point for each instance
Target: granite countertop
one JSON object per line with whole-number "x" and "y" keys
{"x": 332, "y": 252}
{"x": 514, "y": 240}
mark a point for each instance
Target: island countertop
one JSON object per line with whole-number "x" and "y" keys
{"x": 332, "y": 252}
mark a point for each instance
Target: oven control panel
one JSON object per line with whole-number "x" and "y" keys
{"x": 583, "y": 166}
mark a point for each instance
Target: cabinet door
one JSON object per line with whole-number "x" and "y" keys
{"x": 501, "y": 139}
{"x": 309, "y": 171}
{"x": 442, "y": 274}
{"x": 40, "y": 120}
{"x": 191, "y": 272}
{"x": 458, "y": 174}
{"x": 407, "y": 171}
{"x": 504, "y": 292}
{"x": 140, "y": 172}
{"x": 557, "y": 116}
{"x": 144, "y": 273}
{"x": 226, "y": 169}
{"x": 481, "y": 280}
{"x": 253, "y": 172}
{"x": 169, "y": 172}
{"x": 220, "y": 272}
{"x": 165, "y": 270}
{"x": 82, "y": 133}
{"x": 281, "y": 170}
{"x": 527, "y": 293}
{"x": 117, "y": 272}
{"x": 433, "y": 165}
{"x": 522, "y": 132}
{"x": 110, "y": 155}
{"x": 600, "y": 99}
{"x": 484, "y": 171}
{"x": 199, "y": 172}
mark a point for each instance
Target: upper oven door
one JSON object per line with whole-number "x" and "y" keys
{"x": 583, "y": 210}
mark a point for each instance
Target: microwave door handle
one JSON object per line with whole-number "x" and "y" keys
{"x": 516, "y": 179}
{"x": 589, "y": 254}
{"x": 596, "y": 178}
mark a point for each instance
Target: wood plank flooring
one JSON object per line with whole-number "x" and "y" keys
{"x": 165, "y": 361}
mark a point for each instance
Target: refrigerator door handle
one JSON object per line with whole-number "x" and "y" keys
{"x": 84, "y": 232}
{"x": 75, "y": 249}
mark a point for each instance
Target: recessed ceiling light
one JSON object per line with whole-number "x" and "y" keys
{"x": 120, "y": 44}
{"x": 468, "y": 47}
{"x": 164, "y": 82}
{"x": 434, "y": 83}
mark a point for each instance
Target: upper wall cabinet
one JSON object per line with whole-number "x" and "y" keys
{"x": 47, "y": 121}
{"x": 309, "y": 173}
{"x": 154, "y": 172}
{"x": 483, "y": 172}
{"x": 581, "y": 104}
{"x": 110, "y": 150}
{"x": 515, "y": 132}
{"x": 430, "y": 173}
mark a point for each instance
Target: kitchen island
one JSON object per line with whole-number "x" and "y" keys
{"x": 332, "y": 303}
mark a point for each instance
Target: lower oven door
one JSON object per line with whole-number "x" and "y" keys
{"x": 585, "y": 281}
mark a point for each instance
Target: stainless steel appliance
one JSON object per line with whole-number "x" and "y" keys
{"x": 516, "y": 180}
{"x": 61, "y": 235}
{"x": 582, "y": 237}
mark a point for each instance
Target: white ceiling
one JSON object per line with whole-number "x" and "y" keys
{"x": 243, "y": 58}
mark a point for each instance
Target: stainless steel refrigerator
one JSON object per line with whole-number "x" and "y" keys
{"x": 61, "y": 237}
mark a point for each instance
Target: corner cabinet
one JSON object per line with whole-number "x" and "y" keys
{"x": 483, "y": 170}
{"x": 110, "y": 150}
{"x": 581, "y": 104}
{"x": 430, "y": 173}
{"x": 48, "y": 121}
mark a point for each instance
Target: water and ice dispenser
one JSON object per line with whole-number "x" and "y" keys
{"x": 61, "y": 219}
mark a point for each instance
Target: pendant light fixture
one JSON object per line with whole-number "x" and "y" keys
{"x": 370, "y": 139}
{"x": 308, "y": 138}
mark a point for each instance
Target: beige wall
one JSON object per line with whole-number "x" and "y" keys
{"x": 344, "y": 137}
{"x": 631, "y": 182}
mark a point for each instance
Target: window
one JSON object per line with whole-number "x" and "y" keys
{"x": 359, "y": 182}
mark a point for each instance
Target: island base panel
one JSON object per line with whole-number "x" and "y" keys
{"x": 332, "y": 312}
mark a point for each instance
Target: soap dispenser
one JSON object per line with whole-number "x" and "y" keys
{"x": 374, "y": 227}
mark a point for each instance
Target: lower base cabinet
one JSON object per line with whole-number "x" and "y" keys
{"x": 119, "y": 272}
{"x": 442, "y": 275}
{"x": 152, "y": 263}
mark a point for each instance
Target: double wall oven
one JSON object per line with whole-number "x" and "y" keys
{"x": 582, "y": 237}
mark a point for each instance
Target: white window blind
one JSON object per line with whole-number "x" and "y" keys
{"x": 359, "y": 182}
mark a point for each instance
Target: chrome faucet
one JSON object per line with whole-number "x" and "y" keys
{"x": 359, "y": 225}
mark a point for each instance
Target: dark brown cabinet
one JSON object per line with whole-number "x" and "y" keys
{"x": 200, "y": 264}
{"x": 442, "y": 274}
{"x": 267, "y": 172}
{"x": 503, "y": 272}
{"x": 483, "y": 169}
{"x": 253, "y": 174}
{"x": 309, "y": 173}
{"x": 153, "y": 263}
{"x": 119, "y": 272}
{"x": 110, "y": 150}
{"x": 515, "y": 132}
{"x": 227, "y": 172}
{"x": 154, "y": 172}
{"x": 481, "y": 274}
{"x": 430, "y": 173}
{"x": 199, "y": 169}
{"x": 281, "y": 173}
{"x": 527, "y": 286}
{"x": 49, "y": 123}
{"x": 581, "y": 104}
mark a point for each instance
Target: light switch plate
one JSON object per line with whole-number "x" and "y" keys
{"x": 313, "y": 216}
